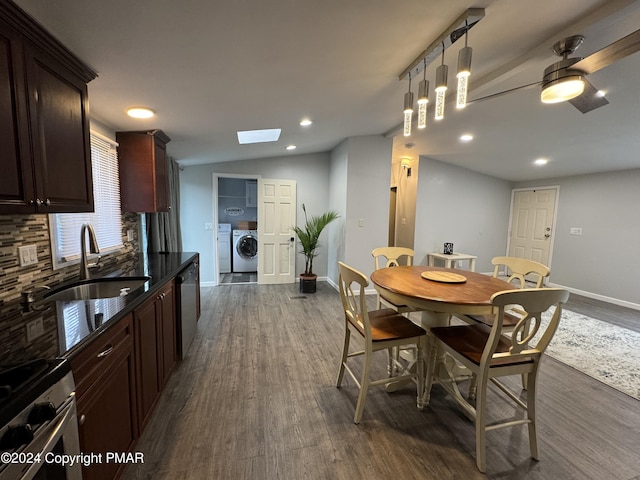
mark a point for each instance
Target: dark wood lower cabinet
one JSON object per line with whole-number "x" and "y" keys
{"x": 119, "y": 377}
{"x": 105, "y": 386}
{"x": 155, "y": 332}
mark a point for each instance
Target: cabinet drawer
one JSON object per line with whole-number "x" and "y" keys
{"x": 98, "y": 357}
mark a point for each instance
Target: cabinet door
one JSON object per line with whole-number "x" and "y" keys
{"x": 168, "y": 337}
{"x": 58, "y": 109}
{"x": 16, "y": 181}
{"x": 147, "y": 358}
{"x": 106, "y": 420}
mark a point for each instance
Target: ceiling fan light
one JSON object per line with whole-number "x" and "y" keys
{"x": 562, "y": 89}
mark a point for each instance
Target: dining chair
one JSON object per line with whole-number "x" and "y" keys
{"x": 517, "y": 270}
{"x": 489, "y": 353}
{"x": 380, "y": 329}
{"x": 392, "y": 257}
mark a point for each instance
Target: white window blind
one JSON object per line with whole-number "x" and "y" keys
{"x": 106, "y": 220}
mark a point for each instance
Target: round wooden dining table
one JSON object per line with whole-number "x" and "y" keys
{"x": 452, "y": 292}
{"x": 404, "y": 285}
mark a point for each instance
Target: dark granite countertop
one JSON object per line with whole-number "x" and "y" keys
{"x": 81, "y": 321}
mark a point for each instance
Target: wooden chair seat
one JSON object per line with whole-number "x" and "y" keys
{"x": 471, "y": 340}
{"x": 387, "y": 324}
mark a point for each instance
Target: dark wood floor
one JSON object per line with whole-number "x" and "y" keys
{"x": 256, "y": 399}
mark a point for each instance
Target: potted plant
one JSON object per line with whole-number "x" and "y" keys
{"x": 309, "y": 236}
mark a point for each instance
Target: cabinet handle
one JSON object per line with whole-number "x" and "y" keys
{"x": 38, "y": 202}
{"x": 47, "y": 202}
{"x": 82, "y": 419}
{"x": 105, "y": 352}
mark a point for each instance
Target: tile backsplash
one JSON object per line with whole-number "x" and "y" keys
{"x": 20, "y": 230}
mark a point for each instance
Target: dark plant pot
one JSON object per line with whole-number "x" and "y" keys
{"x": 308, "y": 283}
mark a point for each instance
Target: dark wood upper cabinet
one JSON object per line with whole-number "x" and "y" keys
{"x": 142, "y": 159}
{"x": 44, "y": 120}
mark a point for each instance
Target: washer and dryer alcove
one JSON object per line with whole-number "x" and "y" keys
{"x": 237, "y": 207}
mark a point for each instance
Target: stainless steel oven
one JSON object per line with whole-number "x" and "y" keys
{"x": 39, "y": 429}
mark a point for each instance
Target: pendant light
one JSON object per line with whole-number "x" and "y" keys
{"x": 408, "y": 110}
{"x": 423, "y": 98}
{"x": 464, "y": 71}
{"x": 441, "y": 87}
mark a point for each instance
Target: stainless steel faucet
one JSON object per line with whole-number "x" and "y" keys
{"x": 93, "y": 247}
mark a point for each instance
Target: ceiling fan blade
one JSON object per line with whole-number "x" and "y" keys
{"x": 610, "y": 54}
{"x": 499, "y": 94}
{"x": 589, "y": 100}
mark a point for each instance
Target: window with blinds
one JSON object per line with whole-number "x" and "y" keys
{"x": 106, "y": 220}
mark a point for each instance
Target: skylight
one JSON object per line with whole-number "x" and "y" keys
{"x": 259, "y": 136}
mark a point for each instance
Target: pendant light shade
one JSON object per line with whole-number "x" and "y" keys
{"x": 441, "y": 89}
{"x": 408, "y": 110}
{"x": 423, "y": 100}
{"x": 464, "y": 71}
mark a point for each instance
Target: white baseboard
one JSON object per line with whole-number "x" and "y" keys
{"x": 595, "y": 296}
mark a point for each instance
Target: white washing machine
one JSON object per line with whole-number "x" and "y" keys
{"x": 245, "y": 251}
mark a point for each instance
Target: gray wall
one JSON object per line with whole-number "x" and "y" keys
{"x": 311, "y": 173}
{"x": 361, "y": 170}
{"x": 605, "y": 259}
{"x": 464, "y": 207}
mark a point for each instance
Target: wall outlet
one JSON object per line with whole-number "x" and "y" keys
{"x": 28, "y": 255}
{"x": 130, "y": 235}
{"x": 208, "y": 226}
{"x": 35, "y": 329}
{"x": 575, "y": 231}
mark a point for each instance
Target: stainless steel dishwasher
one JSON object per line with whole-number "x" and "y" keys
{"x": 187, "y": 281}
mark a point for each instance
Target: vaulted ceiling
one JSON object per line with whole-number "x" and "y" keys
{"x": 211, "y": 68}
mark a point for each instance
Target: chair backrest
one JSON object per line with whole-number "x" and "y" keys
{"x": 535, "y": 301}
{"x": 352, "y": 292}
{"x": 519, "y": 268}
{"x": 392, "y": 256}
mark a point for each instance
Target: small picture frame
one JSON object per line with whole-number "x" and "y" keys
{"x": 448, "y": 248}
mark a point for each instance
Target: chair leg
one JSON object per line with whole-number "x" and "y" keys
{"x": 531, "y": 414}
{"x": 392, "y": 354}
{"x": 420, "y": 373}
{"x": 364, "y": 387}
{"x": 345, "y": 352}
{"x": 473, "y": 387}
{"x": 481, "y": 424}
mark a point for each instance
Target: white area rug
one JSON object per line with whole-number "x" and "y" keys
{"x": 603, "y": 351}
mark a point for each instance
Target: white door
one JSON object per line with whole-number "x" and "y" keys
{"x": 533, "y": 215}
{"x": 276, "y": 216}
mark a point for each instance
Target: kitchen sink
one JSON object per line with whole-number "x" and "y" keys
{"x": 107, "y": 287}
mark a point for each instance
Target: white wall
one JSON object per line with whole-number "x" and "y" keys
{"x": 605, "y": 259}
{"x": 464, "y": 207}
{"x": 311, "y": 173}
{"x": 338, "y": 202}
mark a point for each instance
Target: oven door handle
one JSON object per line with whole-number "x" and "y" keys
{"x": 57, "y": 430}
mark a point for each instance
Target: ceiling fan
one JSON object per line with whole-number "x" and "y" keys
{"x": 566, "y": 80}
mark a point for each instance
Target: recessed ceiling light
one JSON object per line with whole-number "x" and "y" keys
{"x": 540, "y": 161}
{"x": 305, "y": 122}
{"x": 291, "y": 147}
{"x": 140, "y": 112}
{"x": 259, "y": 136}
{"x": 467, "y": 137}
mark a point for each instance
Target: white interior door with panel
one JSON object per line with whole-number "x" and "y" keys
{"x": 533, "y": 216}
{"x": 276, "y": 216}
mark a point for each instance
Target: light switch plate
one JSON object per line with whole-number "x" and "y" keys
{"x": 28, "y": 255}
